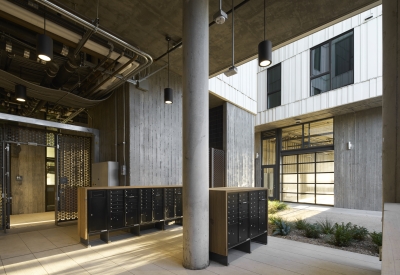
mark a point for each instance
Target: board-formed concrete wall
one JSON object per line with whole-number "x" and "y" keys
{"x": 155, "y": 133}
{"x": 358, "y": 172}
{"x": 239, "y": 146}
{"x": 148, "y": 138}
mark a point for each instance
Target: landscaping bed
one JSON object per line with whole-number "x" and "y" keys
{"x": 347, "y": 237}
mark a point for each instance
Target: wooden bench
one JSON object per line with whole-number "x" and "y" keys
{"x": 391, "y": 239}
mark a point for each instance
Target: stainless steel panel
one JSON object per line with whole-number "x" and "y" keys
{"x": 105, "y": 174}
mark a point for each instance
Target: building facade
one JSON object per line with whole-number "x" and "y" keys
{"x": 318, "y": 133}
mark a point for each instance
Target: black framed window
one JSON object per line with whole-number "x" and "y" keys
{"x": 308, "y": 135}
{"x": 274, "y": 86}
{"x": 308, "y": 178}
{"x": 332, "y": 64}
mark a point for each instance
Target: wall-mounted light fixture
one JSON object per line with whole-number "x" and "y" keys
{"x": 20, "y": 92}
{"x": 369, "y": 16}
{"x": 349, "y": 145}
{"x": 44, "y": 45}
{"x": 264, "y": 49}
{"x": 168, "y": 92}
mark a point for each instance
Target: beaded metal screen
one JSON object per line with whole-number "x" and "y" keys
{"x": 74, "y": 171}
{"x": 217, "y": 168}
{"x": 29, "y": 135}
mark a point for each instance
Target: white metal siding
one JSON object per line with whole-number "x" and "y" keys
{"x": 295, "y": 60}
{"x": 240, "y": 89}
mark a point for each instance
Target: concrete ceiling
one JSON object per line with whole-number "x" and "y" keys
{"x": 146, "y": 23}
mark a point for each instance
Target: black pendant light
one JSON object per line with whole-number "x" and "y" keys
{"x": 20, "y": 92}
{"x": 264, "y": 50}
{"x": 168, "y": 92}
{"x": 44, "y": 45}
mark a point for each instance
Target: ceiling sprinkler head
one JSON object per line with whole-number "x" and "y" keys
{"x": 220, "y": 17}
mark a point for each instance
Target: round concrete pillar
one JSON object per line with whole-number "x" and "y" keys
{"x": 195, "y": 135}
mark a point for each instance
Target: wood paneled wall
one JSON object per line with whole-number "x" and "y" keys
{"x": 29, "y": 194}
{"x": 239, "y": 146}
{"x": 358, "y": 172}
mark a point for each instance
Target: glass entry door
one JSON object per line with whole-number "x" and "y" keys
{"x": 269, "y": 182}
{"x": 270, "y": 164}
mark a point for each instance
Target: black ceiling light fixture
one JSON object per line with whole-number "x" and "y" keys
{"x": 20, "y": 92}
{"x": 264, "y": 50}
{"x": 44, "y": 46}
{"x": 168, "y": 92}
{"x": 232, "y": 70}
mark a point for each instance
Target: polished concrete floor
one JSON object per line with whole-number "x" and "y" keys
{"x": 34, "y": 219}
{"x": 48, "y": 249}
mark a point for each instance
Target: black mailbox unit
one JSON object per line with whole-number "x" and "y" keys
{"x": 101, "y": 210}
{"x": 97, "y": 212}
{"x": 237, "y": 217}
{"x": 132, "y": 208}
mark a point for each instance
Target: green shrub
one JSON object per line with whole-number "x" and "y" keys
{"x": 312, "y": 231}
{"x": 326, "y": 226}
{"x": 274, "y": 219}
{"x": 300, "y": 224}
{"x": 342, "y": 235}
{"x": 376, "y": 238}
{"x": 281, "y": 228}
{"x": 275, "y": 206}
{"x": 359, "y": 233}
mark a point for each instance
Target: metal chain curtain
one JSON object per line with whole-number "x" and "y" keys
{"x": 74, "y": 171}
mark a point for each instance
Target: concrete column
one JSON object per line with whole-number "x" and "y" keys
{"x": 195, "y": 134}
{"x": 391, "y": 102}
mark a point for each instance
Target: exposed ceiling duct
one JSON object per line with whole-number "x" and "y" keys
{"x": 8, "y": 81}
{"x": 112, "y": 70}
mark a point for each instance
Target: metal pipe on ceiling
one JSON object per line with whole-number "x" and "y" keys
{"x": 90, "y": 26}
{"x": 148, "y": 60}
